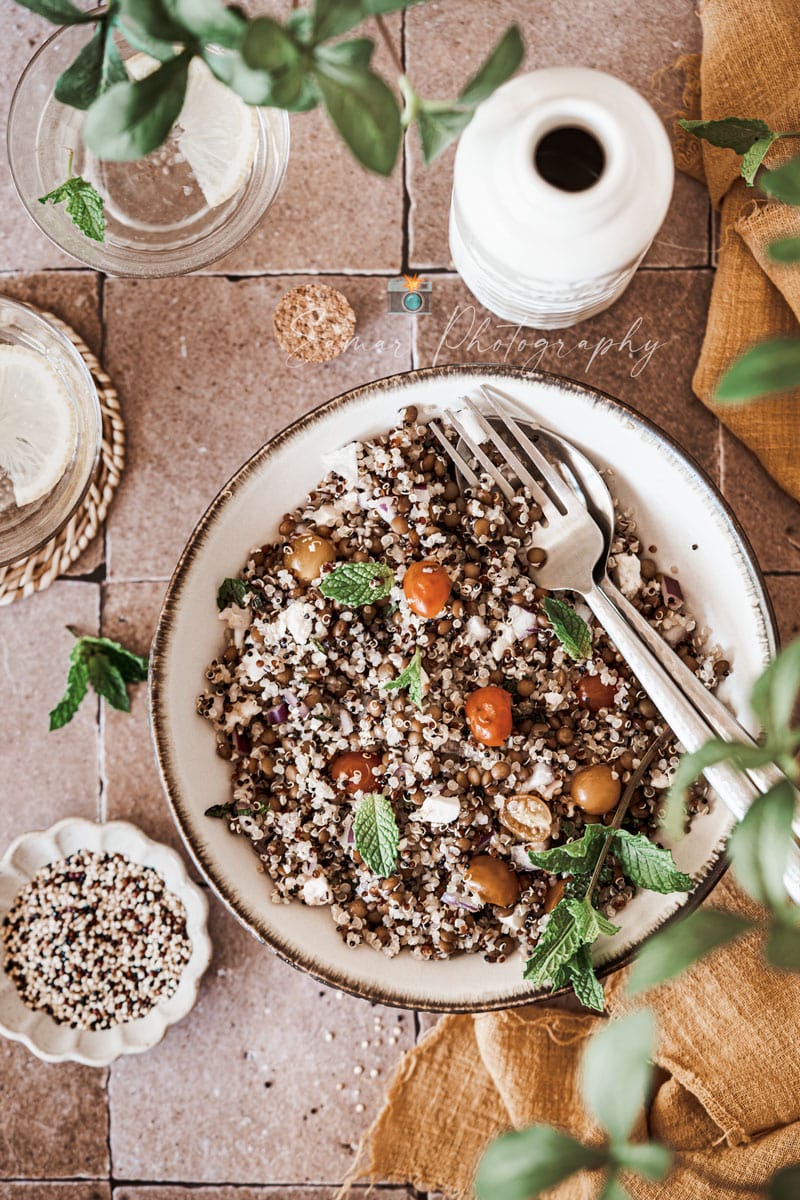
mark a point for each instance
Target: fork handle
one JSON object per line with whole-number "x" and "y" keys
{"x": 736, "y": 790}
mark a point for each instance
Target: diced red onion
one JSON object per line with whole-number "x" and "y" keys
{"x": 454, "y": 901}
{"x": 671, "y": 591}
{"x": 279, "y": 714}
{"x": 422, "y": 495}
{"x": 296, "y": 703}
{"x": 345, "y": 722}
{"x": 242, "y": 743}
{"x": 484, "y": 841}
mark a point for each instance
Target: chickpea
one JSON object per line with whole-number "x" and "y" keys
{"x": 356, "y": 770}
{"x": 594, "y": 694}
{"x": 306, "y": 556}
{"x": 527, "y": 816}
{"x": 492, "y": 881}
{"x": 427, "y": 587}
{"x": 596, "y": 789}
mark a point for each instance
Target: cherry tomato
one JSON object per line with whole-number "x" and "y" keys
{"x": 356, "y": 770}
{"x": 488, "y": 713}
{"x": 427, "y": 587}
{"x": 594, "y": 694}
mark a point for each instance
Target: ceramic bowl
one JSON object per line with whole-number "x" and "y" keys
{"x": 677, "y": 508}
{"x": 97, "y": 1048}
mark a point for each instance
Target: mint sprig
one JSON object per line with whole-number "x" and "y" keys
{"x": 570, "y": 628}
{"x": 355, "y": 584}
{"x": 84, "y": 206}
{"x": 108, "y": 666}
{"x": 376, "y": 833}
{"x": 410, "y": 678}
{"x": 238, "y": 592}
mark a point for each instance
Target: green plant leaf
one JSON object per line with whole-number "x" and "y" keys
{"x": 775, "y": 694}
{"x": 623, "y": 1050}
{"x": 650, "y": 1159}
{"x": 570, "y": 629}
{"x": 107, "y": 681}
{"x": 153, "y": 19}
{"x": 84, "y": 206}
{"x": 571, "y": 925}
{"x": 520, "y": 1165}
{"x": 613, "y": 1189}
{"x": 232, "y": 591}
{"x": 754, "y": 157}
{"x": 132, "y": 667}
{"x": 268, "y": 47}
{"x": 209, "y": 21}
{"x": 648, "y": 865}
{"x": 676, "y": 947}
{"x": 692, "y": 766}
{"x": 96, "y": 67}
{"x": 438, "y": 127}
{"x": 77, "y": 687}
{"x": 332, "y": 17}
{"x": 771, "y": 366}
{"x": 782, "y": 949}
{"x": 783, "y": 183}
{"x": 785, "y": 1184}
{"x": 785, "y": 250}
{"x": 760, "y": 844}
{"x": 731, "y": 133}
{"x": 254, "y": 87}
{"x": 356, "y": 584}
{"x": 60, "y": 12}
{"x": 136, "y": 37}
{"x": 410, "y": 678}
{"x": 579, "y": 856}
{"x": 376, "y": 833}
{"x": 364, "y": 110}
{"x": 355, "y": 53}
{"x": 218, "y": 811}
{"x": 132, "y": 119}
{"x": 581, "y": 974}
{"x": 498, "y": 67}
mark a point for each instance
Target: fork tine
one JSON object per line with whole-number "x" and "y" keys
{"x": 536, "y": 491}
{"x": 451, "y": 452}
{"x": 483, "y": 459}
{"x": 549, "y": 473}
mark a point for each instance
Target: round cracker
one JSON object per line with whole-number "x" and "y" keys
{"x": 314, "y": 322}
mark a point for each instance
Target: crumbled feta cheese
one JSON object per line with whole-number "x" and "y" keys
{"x": 477, "y": 631}
{"x": 629, "y": 574}
{"x": 542, "y": 780}
{"x": 439, "y": 810}
{"x": 317, "y": 891}
{"x": 237, "y": 619}
{"x": 344, "y": 461}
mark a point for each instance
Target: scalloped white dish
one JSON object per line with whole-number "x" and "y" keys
{"x": 37, "y": 1030}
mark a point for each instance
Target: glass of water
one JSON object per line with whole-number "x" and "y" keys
{"x": 158, "y": 221}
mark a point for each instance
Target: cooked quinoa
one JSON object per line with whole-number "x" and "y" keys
{"x": 95, "y": 940}
{"x": 302, "y": 679}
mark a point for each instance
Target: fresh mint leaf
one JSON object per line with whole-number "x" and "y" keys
{"x": 209, "y": 21}
{"x": 650, "y": 1159}
{"x": 232, "y": 591}
{"x": 571, "y": 925}
{"x": 675, "y": 948}
{"x": 376, "y": 833}
{"x": 96, "y": 67}
{"x": 782, "y": 949}
{"x": 132, "y": 667}
{"x": 783, "y": 183}
{"x": 355, "y": 584}
{"x": 84, "y": 206}
{"x": 784, "y": 250}
{"x": 107, "y": 681}
{"x": 754, "y": 157}
{"x": 623, "y": 1050}
{"x": 77, "y": 687}
{"x": 648, "y": 865}
{"x": 132, "y": 119}
{"x": 522, "y": 1164}
{"x": 578, "y": 856}
{"x": 770, "y": 366}
{"x": 760, "y": 844}
{"x": 775, "y": 694}
{"x": 498, "y": 67}
{"x": 587, "y": 987}
{"x": 784, "y": 1184}
{"x": 570, "y": 629}
{"x": 365, "y": 112}
{"x": 439, "y": 125}
{"x": 60, "y": 12}
{"x": 410, "y": 678}
{"x": 218, "y": 811}
{"x": 731, "y": 133}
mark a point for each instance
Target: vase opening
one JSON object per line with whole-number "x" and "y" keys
{"x": 569, "y": 158}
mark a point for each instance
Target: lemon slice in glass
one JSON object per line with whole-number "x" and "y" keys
{"x": 217, "y": 133}
{"x": 38, "y": 427}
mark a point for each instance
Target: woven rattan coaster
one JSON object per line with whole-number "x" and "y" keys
{"x": 37, "y": 572}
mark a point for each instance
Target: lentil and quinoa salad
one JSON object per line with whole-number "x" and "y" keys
{"x": 516, "y": 746}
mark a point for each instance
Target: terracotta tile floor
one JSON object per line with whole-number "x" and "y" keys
{"x": 240, "y": 1102}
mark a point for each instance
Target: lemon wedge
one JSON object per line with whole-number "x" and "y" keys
{"x": 38, "y": 427}
{"x": 217, "y": 133}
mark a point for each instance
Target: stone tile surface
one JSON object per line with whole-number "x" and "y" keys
{"x": 212, "y": 388}
{"x": 171, "y": 1191}
{"x": 57, "y": 1191}
{"x": 131, "y": 784}
{"x": 53, "y": 1124}
{"x": 245, "y": 1088}
{"x": 74, "y": 296}
{"x": 46, "y": 776}
{"x": 642, "y": 350}
{"x": 635, "y": 42}
{"x": 771, "y": 518}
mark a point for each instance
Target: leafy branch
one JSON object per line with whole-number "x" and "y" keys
{"x": 295, "y": 65}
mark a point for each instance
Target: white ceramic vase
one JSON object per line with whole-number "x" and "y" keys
{"x": 561, "y": 182}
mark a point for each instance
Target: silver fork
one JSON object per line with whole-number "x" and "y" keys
{"x": 574, "y": 545}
